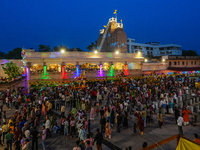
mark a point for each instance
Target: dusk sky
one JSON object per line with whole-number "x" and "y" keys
{"x": 77, "y": 23}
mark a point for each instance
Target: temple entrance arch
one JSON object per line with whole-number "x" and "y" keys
{"x": 54, "y": 68}
{"x": 118, "y": 66}
{"x": 70, "y": 67}
{"x": 36, "y": 68}
{"x": 106, "y": 66}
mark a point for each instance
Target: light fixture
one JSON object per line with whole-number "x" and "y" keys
{"x": 62, "y": 51}
{"x": 95, "y": 51}
{"x": 145, "y": 60}
{"x": 117, "y": 52}
{"x": 163, "y": 60}
{"x": 139, "y": 53}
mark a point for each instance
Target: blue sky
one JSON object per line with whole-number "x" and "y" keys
{"x": 77, "y": 23}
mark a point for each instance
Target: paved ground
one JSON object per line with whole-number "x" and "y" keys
{"x": 126, "y": 138}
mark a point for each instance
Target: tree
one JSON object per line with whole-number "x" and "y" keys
{"x": 78, "y": 49}
{"x": 12, "y": 70}
{"x": 44, "y": 48}
{"x": 189, "y": 53}
{"x": 2, "y": 54}
{"x": 57, "y": 49}
{"x": 92, "y": 46}
{"x": 14, "y": 54}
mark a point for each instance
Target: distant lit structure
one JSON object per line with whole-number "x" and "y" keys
{"x": 153, "y": 48}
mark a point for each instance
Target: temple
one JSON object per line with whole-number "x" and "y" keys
{"x": 112, "y": 38}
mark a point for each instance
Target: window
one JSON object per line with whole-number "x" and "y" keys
{"x": 175, "y": 63}
{"x": 169, "y": 52}
{"x": 186, "y": 62}
{"x": 178, "y": 63}
{"x": 132, "y": 40}
{"x": 195, "y": 62}
{"x": 162, "y": 52}
{"x": 132, "y": 47}
{"x": 152, "y": 48}
{"x": 135, "y": 47}
{"x": 170, "y": 63}
{"x": 182, "y": 62}
{"x": 191, "y": 62}
{"x": 147, "y": 48}
{"x": 127, "y": 40}
{"x": 161, "y": 48}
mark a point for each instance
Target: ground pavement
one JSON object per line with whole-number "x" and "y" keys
{"x": 152, "y": 134}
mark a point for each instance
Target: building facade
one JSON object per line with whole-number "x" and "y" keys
{"x": 153, "y": 48}
{"x": 183, "y": 63}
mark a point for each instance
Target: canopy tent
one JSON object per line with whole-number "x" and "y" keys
{"x": 185, "y": 144}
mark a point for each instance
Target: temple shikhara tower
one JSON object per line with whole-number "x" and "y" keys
{"x": 112, "y": 38}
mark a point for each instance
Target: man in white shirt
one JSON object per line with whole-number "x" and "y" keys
{"x": 180, "y": 123}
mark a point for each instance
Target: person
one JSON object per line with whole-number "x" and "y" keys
{"x": 196, "y": 140}
{"x": 82, "y": 133}
{"x": 5, "y": 130}
{"x": 144, "y": 115}
{"x": 134, "y": 128}
{"x": 35, "y": 134}
{"x": 89, "y": 139}
{"x": 17, "y": 144}
{"x": 89, "y": 126}
{"x": 23, "y": 140}
{"x": 176, "y": 112}
{"x": 140, "y": 125}
{"x": 180, "y": 123}
{"x": 77, "y": 146}
{"x": 144, "y": 145}
{"x": 9, "y": 137}
{"x": 27, "y": 145}
{"x": 92, "y": 113}
{"x": 103, "y": 123}
{"x": 43, "y": 137}
{"x": 159, "y": 119}
{"x": 170, "y": 107}
{"x": 66, "y": 125}
{"x": 98, "y": 139}
{"x": 0, "y": 134}
{"x": 119, "y": 121}
{"x": 17, "y": 133}
{"x": 88, "y": 146}
{"x": 62, "y": 110}
{"x": 47, "y": 126}
{"x": 125, "y": 120}
{"x": 108, "y": 130}
{"x": 186, "y": 116}
{"x": 82, "y": 145}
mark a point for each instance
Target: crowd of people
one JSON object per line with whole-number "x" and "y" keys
{"x": 114, "y": 102}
